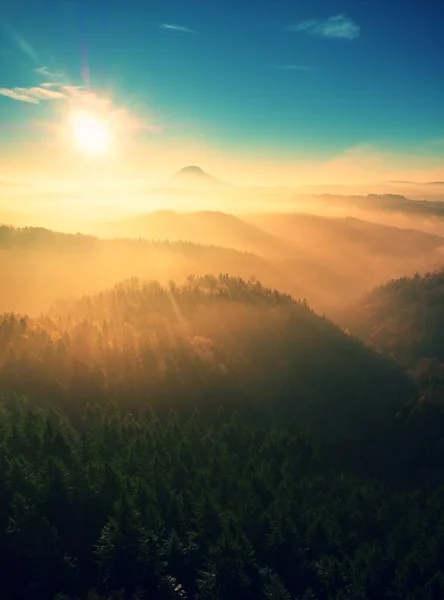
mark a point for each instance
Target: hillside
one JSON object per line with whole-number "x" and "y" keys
{"x": 327, "y": 260}
{"x": 202, "y": 227}
{"x": 212, "y": 340}
{"x": 348, "y": 234}
{"x": 336, "y": 260}
{"x": 404, "y": 317}
{"x": 41, "y": 266}
{"x": 155, "y": 441}
{"x": 280, "y": 235}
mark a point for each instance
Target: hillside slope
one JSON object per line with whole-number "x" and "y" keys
{"x": 348, "y": 234}
{"x": 404, "y": 317}
{"x": 41, "y": 266}
{"x": 324, "y": 259}
{"x": 201, "y": 227}
{"x": 214, "y": 340}
{"x": 336, "y": 260}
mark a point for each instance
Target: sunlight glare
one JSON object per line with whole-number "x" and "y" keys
{"x": 90, "y": 133}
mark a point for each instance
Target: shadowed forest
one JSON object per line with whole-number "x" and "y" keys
{"x": 203, "y": 406}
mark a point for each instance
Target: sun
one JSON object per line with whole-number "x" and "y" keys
{"x": 90, "y": 132}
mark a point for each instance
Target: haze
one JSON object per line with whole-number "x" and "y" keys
{"x": 116, "y": 143}
{"x": 221, "y": 305}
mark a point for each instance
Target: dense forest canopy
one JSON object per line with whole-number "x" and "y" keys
{"x": 404, "y": 317}
{"x": 214, "y": 339}
{"x": 212, "y": 439}
{"x": 201, "y": 508}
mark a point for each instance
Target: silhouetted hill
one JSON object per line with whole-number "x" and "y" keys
{"x": 337, "y": 259}
{"x": 417, "y": 182}
{"x": 203, "y": 227}
{"x": 396, "y": 203}
{"x": 404, "y": 317}
{"x": 40, "y": 265}
{"x": 325, "y": 260}
{"x": 213, "y": 340}
{"x": 355, "y": 235}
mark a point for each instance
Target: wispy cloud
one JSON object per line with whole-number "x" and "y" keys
{"x": 50, "y": 84}
{"x": 19, "y": 40}
{"x": 32, "y": 95}
{"x": 79, "y": 98}
{"x": 48, "y": 73}
{"x": 54, "y": 89}
{"x": 336, "y": 27}
{"x": 291, "y": 67}
{"x": 176, "y": 28}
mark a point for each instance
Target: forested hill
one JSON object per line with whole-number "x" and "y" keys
{"x": 404, "y": 318}
{"x": 211, "y": 341}
{"x": 40, "y": 265}
{"x": 155, "y": 445}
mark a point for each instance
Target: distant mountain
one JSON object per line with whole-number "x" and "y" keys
{"x": 416, "y": 182}
{"x": 355, "y": 237}
{"x": 196, "y": 177}
{"x": 41, "y": 266}
{"x": 201, "y": 227}
{"x": 404, "y": 181}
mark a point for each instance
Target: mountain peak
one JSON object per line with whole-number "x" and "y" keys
{"x": 192, "y": 170}
{"x": 195, "y": 175}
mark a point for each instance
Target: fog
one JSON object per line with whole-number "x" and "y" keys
{"x": 326, "y": 244}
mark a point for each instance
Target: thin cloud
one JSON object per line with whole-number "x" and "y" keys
{"x": 291, "y": 67}
{"x": 176, "y": 28}
{"x": 48, "y": 73}
{"x": 26, "y": 47}
{"x": 80, "y": 98}
{"x": 32, "y": 95}
{"x": 48, "y": 90}
{"x": 336, "y": 27}
{"x": 23, "y": 45}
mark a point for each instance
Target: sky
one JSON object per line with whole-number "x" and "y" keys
{"x": 254, "y": 91}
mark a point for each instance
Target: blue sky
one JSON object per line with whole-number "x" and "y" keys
{"x": 265, "y": 78}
